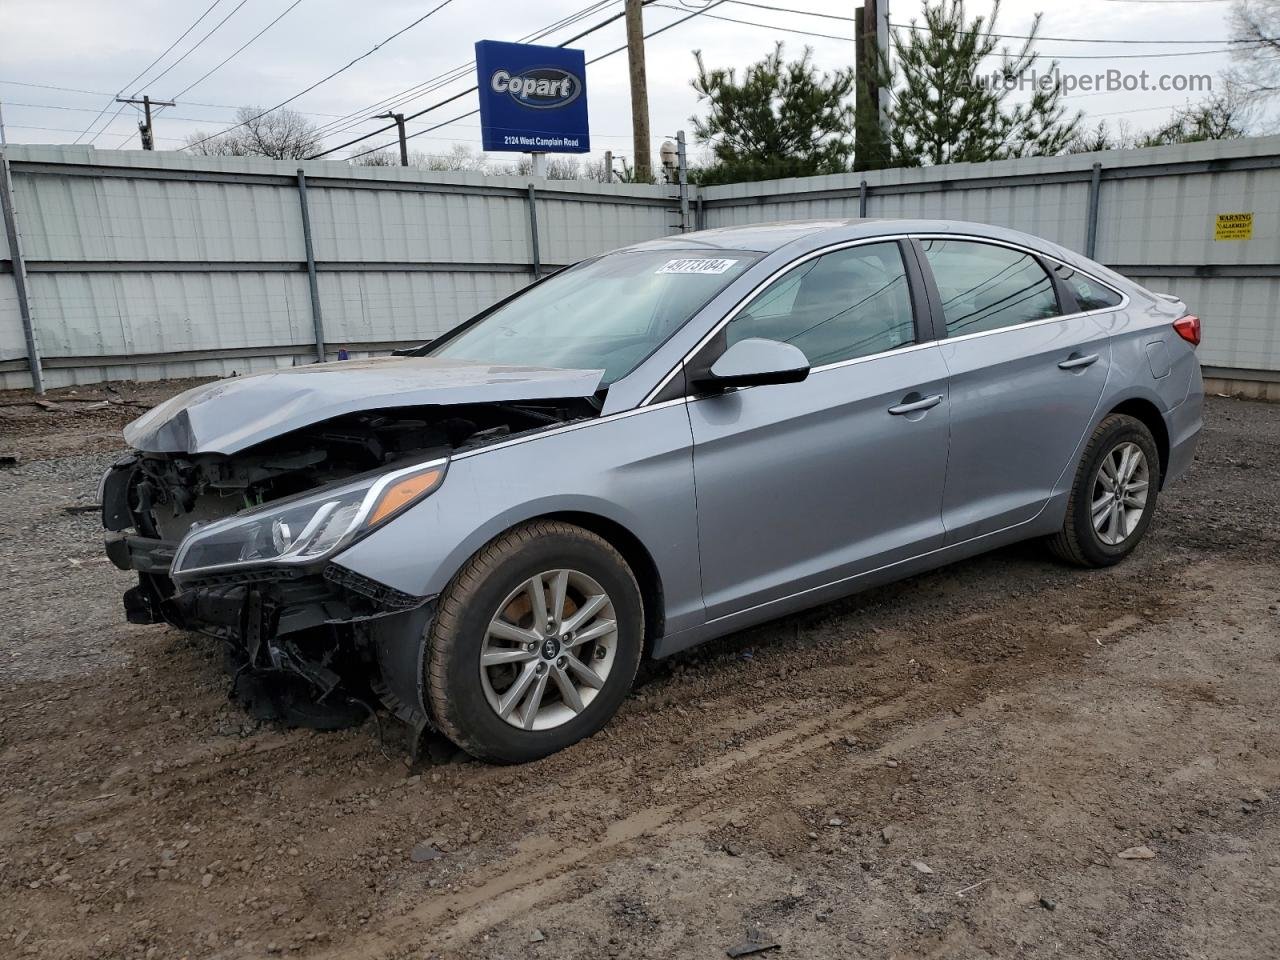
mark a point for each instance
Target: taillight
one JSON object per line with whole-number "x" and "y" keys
{"x": 1188, "y": 329}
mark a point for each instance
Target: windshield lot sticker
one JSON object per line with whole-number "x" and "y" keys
{"x": 691, "y": 265}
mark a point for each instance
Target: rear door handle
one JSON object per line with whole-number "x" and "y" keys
{"x": 1075, "y": 363}
{"x": 914, "y": 406}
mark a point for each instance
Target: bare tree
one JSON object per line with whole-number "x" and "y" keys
{"x": 280, "y": 134}
{"x": 1255, "y": 35}
{"x": 558, "y": 168}
{"x": 1222, "y": 116}
{"x": 1103, "y": 137}
{"x": 457, "y": 157}
{"x": 461, "y": 157}
{"x": 381, "y": 158}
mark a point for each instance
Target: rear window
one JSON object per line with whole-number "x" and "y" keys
{"x": 986, "y": 287}
{"x": 1089, "y": 293}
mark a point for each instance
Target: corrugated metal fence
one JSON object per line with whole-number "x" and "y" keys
{"x": 145, "y": 265}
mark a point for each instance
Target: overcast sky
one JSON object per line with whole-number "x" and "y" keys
{"x": 99, "y": 46}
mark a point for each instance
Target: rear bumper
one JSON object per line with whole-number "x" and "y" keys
{"x": 1184, "y": 423}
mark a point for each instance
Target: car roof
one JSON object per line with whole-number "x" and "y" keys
{"x": 768, "y": 237}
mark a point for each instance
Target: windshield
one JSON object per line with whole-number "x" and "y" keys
{"x": 609, "y": 313}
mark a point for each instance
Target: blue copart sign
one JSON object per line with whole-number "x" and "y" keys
{"x": 533, "y": 99}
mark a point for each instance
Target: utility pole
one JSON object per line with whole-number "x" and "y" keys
{"x": 3, "y": 141}
{"x": 145, "y": 129}
{"x": 871, "y": 103}
{"x": 608, "y": 166}
{"x": 639, "y": 90}
{"x": 404, "y": 141}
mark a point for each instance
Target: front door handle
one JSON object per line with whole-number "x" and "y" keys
{"x": 1075, "y": 362}
{"x": 915, "y": 406}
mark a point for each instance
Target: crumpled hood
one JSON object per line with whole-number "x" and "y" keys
{"x": 231, "y": 415}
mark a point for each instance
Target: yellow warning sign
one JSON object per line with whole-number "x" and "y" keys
{"x": 1233, "y": 226}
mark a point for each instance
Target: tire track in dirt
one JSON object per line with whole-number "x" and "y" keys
{"x": 540, "y": 868}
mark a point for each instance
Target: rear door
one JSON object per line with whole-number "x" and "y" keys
{"x": 803, "y": 484}
{"x": 1026, "y": 372}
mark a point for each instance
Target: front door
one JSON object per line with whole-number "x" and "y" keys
{"x": 804, "y": 484}
{"x": 1025, "y": 382}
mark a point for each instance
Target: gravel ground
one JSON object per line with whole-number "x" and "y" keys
{"x": 955, "y": 765}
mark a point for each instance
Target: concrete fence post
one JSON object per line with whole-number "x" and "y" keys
{"x": 20, "y": 275}
{"x": 317, "y": 317}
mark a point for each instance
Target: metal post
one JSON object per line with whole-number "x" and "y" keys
{"x": 317, "y": 318}
{"x": 533, "y": 233}
{"x": 1091, "y": 218}
{"x": 702, "y": 213}
{"x": 20, "y": 275}
{"x": 862, "y": 199}
{"x": 404, "y": 141}
{"x": 682, "y": 169}
{"x": 608, "y": 165}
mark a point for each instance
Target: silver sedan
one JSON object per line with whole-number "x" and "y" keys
{"x": 647, "y": 450}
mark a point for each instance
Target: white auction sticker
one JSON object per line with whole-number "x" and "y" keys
{"x": 696, "y": 265}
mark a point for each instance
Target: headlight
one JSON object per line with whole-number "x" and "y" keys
{"x": 306, "y": 528}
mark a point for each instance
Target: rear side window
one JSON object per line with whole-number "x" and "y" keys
{"x": 986, "y": 287}
{"x": 845, "y": 304}
{"x": 1089, "y": 293}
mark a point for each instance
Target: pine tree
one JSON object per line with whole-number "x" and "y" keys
{"x": 780, "y": 120}
{"x": 951, "y": 105}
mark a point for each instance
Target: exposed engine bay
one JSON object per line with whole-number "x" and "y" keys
{"x": 302, "y": 638}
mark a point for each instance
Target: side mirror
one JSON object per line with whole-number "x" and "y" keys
{"x": 755, "y": 362}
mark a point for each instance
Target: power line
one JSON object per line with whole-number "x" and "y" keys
{"x": 456, "y": 96}
{"x": 374, "y": 49}
{"x": 807, "y": 13}
{"x": 196, "y": 45}
{"x": 239, "y": 50}
{"x": 190, "y": 50}
{"x": 418, "y": 90}
{"x": 207, "y": 11}
{"x": 1024, "y": 36}
{"x": 470, "y": 113}
{"x": 1244, "y": 44}
{"x": 765, "y": 26}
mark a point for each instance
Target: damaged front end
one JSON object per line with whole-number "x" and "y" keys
{"x": 245, "y": 547}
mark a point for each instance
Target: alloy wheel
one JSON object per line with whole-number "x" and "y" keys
{"x": 1120, "y": 493}
{"x": 548, "y": 649}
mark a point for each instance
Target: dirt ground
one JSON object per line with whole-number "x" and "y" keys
{"x": 949, "y": 767}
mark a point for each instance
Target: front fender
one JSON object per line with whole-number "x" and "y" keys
{"x": 634, "y": 469}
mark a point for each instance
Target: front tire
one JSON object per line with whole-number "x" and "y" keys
{"x": 535, "y": 643}
{"x": 1113, "y": 496}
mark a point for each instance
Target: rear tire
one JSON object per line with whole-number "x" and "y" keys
{"x": 1113, "y": 495}
{"x": 573, "y": 684}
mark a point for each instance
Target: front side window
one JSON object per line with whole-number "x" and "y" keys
{"x": 845, "y": 304}
{"x": 986, "y": 287}
{"x": 609, "y": 313}
{"x": 1089, "y": 293}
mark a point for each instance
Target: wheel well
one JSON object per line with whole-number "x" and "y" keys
{"x": 1149, "y": 414}
{"x": 638, "y": 559}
